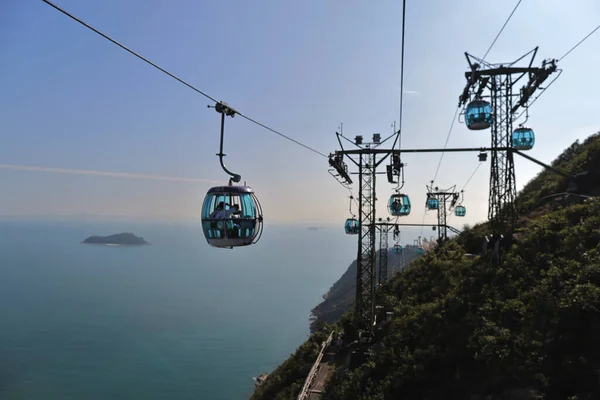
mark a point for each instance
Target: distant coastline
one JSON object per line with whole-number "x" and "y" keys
{"x": 110, "y": 244}
{"x": 119, "y": 239}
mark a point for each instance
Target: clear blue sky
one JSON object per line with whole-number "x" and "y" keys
{"x": 71, "y": 100}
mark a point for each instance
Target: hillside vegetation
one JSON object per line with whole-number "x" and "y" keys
{"x": 340, "y": 298}
{"x": 464, "y": 329}
{"x": 287, "y": 380}
{"x": 575, "y": 159}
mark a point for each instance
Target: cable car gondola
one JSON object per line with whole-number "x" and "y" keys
{"x": 433, "y": 203}
{"x": 420, "y": 251}
{"x": 460, "y": 211}
{"x": 523, "y": 138}
{"x": 478, "y": 115}
{"x": 399, "y": 205}
{"x": 231, "y": 215}
{"x": 397, "y": 249}
{"x": 352, "y": 227}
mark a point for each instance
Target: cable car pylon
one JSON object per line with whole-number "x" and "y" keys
{"x": 443, "y": 201}
{"x": 489, "y": 102}
{"x": 367, "y": 157}
{"x": 384, "y": 228}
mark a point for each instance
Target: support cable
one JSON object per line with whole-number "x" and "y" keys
{"x": 402, "y": 75}
{"x": 471, "y": 177}
{"x": 441, "y": 158}
{"x": 177, "y": 78}
{"x": 542, "y": 90}
{"x": 352, "y": 197}
{"x": 456, "y": 112}
{"x": 445, "y": 144}
{"x": 423, "y": 221}
{"x": 501, "y": 29}
{"x": 485, "y": 55}
{"x": 581, "y": 41}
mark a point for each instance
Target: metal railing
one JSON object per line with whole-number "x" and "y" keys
{"x": 313, "y": 371}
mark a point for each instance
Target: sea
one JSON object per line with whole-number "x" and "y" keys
{"x": 173, "y": 320}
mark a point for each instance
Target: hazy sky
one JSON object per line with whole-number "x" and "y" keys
{"x": 71, "y": 101}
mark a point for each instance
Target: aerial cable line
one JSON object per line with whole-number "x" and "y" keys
{"x": 484, "y": 56}
{"x": 353, "y": 198}
{"x": 567, "y": 53}
{"x": 561, "y": 58}
{"x": 581, "y": 41}
{"x": 456, "y": 112}
{"x": 445, "y": 144}
{"x": 560, "y": 71}
{"x": 402, "y": 74}
{"x": 423, "y": 221}
{"x": 440, "y": 162}
{"x": 281, "y": 134}
{"x": 129, "y": 50}
{"x": 175, "y": 77}
{"x": 501, "y": 29}
{"x": 471, "y": 177}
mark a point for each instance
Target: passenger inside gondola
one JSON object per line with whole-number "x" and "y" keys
{"x": 396, "y": 206}
{"x": 233, "y": 211}
{"x": 219, "y": 209}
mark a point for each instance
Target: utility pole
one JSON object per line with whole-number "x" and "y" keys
{"x": 496, "y": 82}
{"x": 437, "y": 198}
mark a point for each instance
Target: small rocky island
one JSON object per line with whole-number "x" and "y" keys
{"x": 119, "y": 239}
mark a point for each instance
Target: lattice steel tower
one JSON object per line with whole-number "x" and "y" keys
{"x": 496, "y": 82}
{"x": 367, "y": 158}
{"x": 383, "y": 228}
{"x": 365, "y": 279}
{"x": 439, "y": 199}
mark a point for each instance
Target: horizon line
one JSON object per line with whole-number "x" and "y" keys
{"x": 89, "y": 172}
{"x": 155, "y": 218}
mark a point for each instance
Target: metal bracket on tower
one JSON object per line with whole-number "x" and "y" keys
{"x": 336, "y": 161}
{"x": 394, "y": 169}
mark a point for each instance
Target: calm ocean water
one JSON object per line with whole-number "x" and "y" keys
{"x": 174, "y": 320}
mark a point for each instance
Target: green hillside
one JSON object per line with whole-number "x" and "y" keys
{"x": 340, "y": 298}
{"x": 287, "y": 380}
{"x": 576, "y": 158}
{"x": 462, "y": 329}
